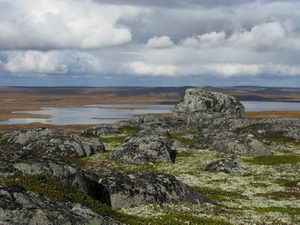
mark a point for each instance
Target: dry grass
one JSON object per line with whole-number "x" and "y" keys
{"x": 71, "y": 129}
{"x": 273, "y": 114}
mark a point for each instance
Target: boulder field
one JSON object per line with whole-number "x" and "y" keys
{"x": 205, "y": 164}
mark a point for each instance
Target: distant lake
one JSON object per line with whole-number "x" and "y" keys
{"x": 94, "y": 114}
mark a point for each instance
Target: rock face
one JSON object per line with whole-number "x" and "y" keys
{"x": 18, "y": 206}
{"x": 140, "y": 149}
{"x": 232, "y": 143}
{"x": 51, "y": 143}
{"x": 156, "y": 122}
{"x": 134, "y": 188}
{"x": 200, "y": 104}
{"x": 229, "y": 165}
{"x": 102, "y": 130}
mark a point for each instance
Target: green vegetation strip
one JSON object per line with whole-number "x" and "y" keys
{"x": 289, "y": 211}
{"x": 180, "y": 137}
{"x": 55, "y": 190}
{"x": 273, "y": 160}
{"x": 217, "y": 194}
{"x": 129, "y": 129}
{"x": 280, "y": 138}
{"x": 113, "y": 139}
{"x": 287, "y": 183}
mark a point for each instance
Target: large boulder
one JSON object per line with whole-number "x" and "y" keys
{"x": 46, "y": 142}
{"x": 144, "y": 148}
{"x": 19, "y": 206}
{"x": 229, "y": 165}
{"x": 127, "y": 189}
{"x": 200, "y": 104}
{"x": 232, "y": 143}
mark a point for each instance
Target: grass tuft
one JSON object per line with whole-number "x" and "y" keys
{"x": 274, "y": 160}
{"x": 129, "y": 129}
{"x": 180, "y": 137}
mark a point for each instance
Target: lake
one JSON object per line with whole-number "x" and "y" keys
{"x": 94, "y": 114}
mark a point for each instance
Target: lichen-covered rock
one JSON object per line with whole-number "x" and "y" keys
{"x": 198, "y": 104}
{"x": 232, "y": 143}
{"x": 49, "y": 143}
{"x": 60, "y": 171}
{"x": 229, "y": 165}
{"x": 157, "y": 122}
{"x": 18, "y": 206}
{"x": 127, "y": 189}
{"x": 102, "y": 130}
{"x": 140, "y": 149}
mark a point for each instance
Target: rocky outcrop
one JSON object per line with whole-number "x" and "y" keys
{"x": 102, "y": 130}
{"x": 127, "y": 189}
{"x": 157, "y": 122}
{"x": 198, "y": 104}
{"x": 49, "y": 143}
{"x": 18, "y": 206}
{"x": 139, "y": 149}
{"x": 229, "y": 165}
{"x": 232, "y": 143}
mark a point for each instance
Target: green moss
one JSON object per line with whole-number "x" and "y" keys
{"x": 184, "y": 154}
{"x": 280, "y": 138}
{"x": 180, "y": 137}
{"x": 274, "y": 160}
{"x": 277, "y": 195}
{"x": 258, "y": 184}
{"x": 217, "y": 194}
{"x": 88, "y": 136}
{"x": 286, "y": 182}
{"x": 129, "y": 129}
{"x": 255, "y": 125}
{"x": 114, "y": 139}
{"x": 289, "y": 211}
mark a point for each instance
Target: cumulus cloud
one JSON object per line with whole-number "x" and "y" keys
{"x": 160, "y": 42}
{"x": 60, "y": 24}
{"x": 33, "y": 62}
{"x": 170, "y": 38}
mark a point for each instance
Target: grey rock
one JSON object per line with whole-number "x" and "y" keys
{"x": 198, "y": 105}
{"x": 157, "y": 122}
{"x": 232, "y": 143}
{"x": 127, "y": 189}
{"x": 102, "y": 130}
{"x": 229, "y": 165}
{"x": 46, "y": 142}
{"x": 140, "y": 149}
{"x": 21, "y": 207}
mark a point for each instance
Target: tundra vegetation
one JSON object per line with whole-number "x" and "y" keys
{"x": 204, "y": 165}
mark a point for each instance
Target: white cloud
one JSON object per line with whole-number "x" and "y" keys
{"x": 205, "y": 40}
{"x": 59, "y": 24}
{"x": 33, "y": 62}
{"x": 220, "y": 69}
{"x": 160, "y": 42}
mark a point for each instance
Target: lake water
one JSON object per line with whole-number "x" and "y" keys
{"x": 93, "y": 115}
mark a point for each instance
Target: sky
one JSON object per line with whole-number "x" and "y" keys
{"x": 149, "y": 42}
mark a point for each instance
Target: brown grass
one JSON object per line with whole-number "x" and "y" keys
{"x": 71, "y": 129}
{"x": 273, "y": 114}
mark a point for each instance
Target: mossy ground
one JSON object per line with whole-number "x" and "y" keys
{"x": 269, "y": 195}
{"x": 264, "y": 197}
{"x": 183, "y": 138}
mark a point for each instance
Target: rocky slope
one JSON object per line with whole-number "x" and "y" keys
{"x": 205, "y": 165}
